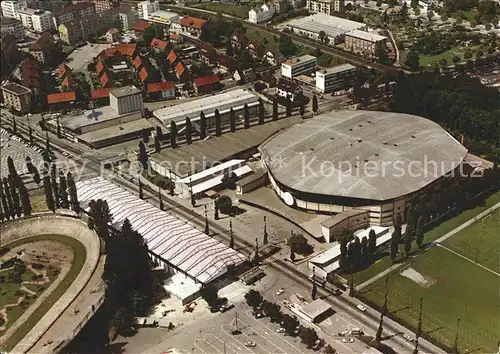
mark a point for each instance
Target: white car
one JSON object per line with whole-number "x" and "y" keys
{"x": 408, "y": 337}
{"x": 280, "y": 291}
{"x": 280, "y": 330}
{"x": 250, "y": 344}
{"x": 361, "y": 308}
{"x": 344, "y": 332}
{"x": 347, "y": 340}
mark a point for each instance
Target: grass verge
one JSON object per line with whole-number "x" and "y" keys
{"x": 78, "y": 261}
{"x": 470, "y": 294}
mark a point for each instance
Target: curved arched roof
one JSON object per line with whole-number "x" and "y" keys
{"x": 362, "y": 154}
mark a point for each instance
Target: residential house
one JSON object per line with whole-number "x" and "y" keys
{"x": 238, "y": 40}
{"x": 280, "y": 6}
{"x": 175, "y": 38}
{"x": 289, "y": 89}
{"x": 244, "y": 76}
{"x": 137, "y": 63}
{"x": 172, "y": 57}
{"x": 100, "y": 94}
{"x": 140, "y": 27}
{"x": 129, "y": 50}
{"x": 192, "y": 25}
{"x": 17, "y": 97}
{"x": 81, "y": 29}
{"x": 206, "y": 84}
{"x": 43, "y": 48}
{"x": 269, "y": 79}
{"x": 261, "y": 14}
{"x": 226, "y": 63}
{"x": 208, "y": 54}
{"x": 63, "y": 99}
{"x": 182, "y": 72}
{"x": 164, "y": 89}
{"x": 144, "y": 75}
{"x": 105, "y": 78}
{"x": 72, "y": 12}
{"x": 274, "y": 57}
{"x": 158, "y": 45}
{"x": 255, "y": 48}
{"x": 113, "y": 35}
{"x": 31, "y": 73}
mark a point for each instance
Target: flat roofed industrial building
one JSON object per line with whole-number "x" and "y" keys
{"x": 373, "y": 161}
{"x": 338, "y": 77}
{"x": 304, "y": 64}
{"x": 334, "y": 27}
{"x": 235, "y": 99}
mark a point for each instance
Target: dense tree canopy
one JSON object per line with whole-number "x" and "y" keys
{"x": 460, "y": 104}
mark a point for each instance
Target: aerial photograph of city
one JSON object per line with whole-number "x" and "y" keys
{"x": 250, "y": 177}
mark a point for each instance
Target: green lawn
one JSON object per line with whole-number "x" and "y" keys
{"x": 78, "y": 261}
{"x": 481, "y": 237}
{"x": 266, "y": 39}
{"x": 431, "y": 235}
{"x": 460, "y": 290}
{"x": 240, "y": 11}
{"x": 426, "y": 60}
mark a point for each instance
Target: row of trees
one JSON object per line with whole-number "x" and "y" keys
{"x": 357, "y": 254}
{"x": 127, "y": 271}
{"x": 14, "y": 196}
{"x": 60, "y": 190}
{"x": 290, "y": 324}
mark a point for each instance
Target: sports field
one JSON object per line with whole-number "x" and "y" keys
{"x": 481, "y": 239}
{"x": 452, "y": 288}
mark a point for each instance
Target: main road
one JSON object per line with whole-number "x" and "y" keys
{"x": 342, "y": 304}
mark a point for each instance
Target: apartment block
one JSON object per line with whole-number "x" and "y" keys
{"x": 17, "y": 96}
{"x": 12, "y": 26}
{"x": 299, "y": 66}
{"x": 366, "y": 44}
{"x": 336, "y": 78}
{"x": 72, "y": 12}
{"x": 36, "y": 20}
{"x": 328, "y": 7}
{"x": 145, "y": 8}
{"x": 10, "y": 8}
{"x": 43, "y": 48}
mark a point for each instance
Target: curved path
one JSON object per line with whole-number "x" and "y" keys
{"x": 57, "y": 225}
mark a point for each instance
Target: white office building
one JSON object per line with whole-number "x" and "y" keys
{"x": 36, "y": 20}
{"x": 261, "y": 14}
{"x": 163, "y": 17}
{"x": 336, "y": 78}
{"x": 10, "y": 8}
{"x": 299, "y": 66}
{"x": 12, "y": 26}
{"x": 145, "y": 8}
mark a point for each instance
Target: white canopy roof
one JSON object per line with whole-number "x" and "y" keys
{"x": 172, "y": 239}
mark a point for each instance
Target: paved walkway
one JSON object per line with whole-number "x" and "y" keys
{"x": 468, "y": 223}
{"x": 60, "y": 225}
{"x": 439, "y": 240}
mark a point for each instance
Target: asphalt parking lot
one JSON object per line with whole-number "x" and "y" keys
{"x": 81, "y": 57}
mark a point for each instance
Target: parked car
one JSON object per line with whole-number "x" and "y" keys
{"x": 250, "y": 344}
{"x": 226, "y": 307}
{"x": 408, "y": 337}
{"x": 356, "y": 332}
{"x": 281, "y": 330}
{"x": 361, "y": 308}
{"x": 344, "y": 333}
{"x": 280, "y": 291}
{"x": 347, "y": 340}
